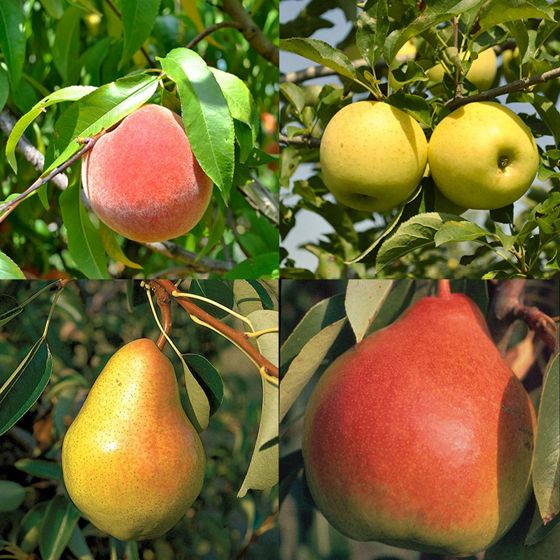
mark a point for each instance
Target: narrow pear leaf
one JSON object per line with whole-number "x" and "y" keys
{"x": 198, "y": 404}
{"x": 263, "y": 468}
{"x": 546, "y": 466}
{"x": 12, "y": 38}
{"x": 41, "y": 469}
{"x": 305, "y": 364}
{"x": 84, "y": 240}
{"x": 77, "y": 545}
{"x": 206, "y": 115}
{"x": 208, "y": 377}
{"x": 246, "y": 297}
{"x": 321, "y": 315}
{"x": 71, "y": 93}
{"x": 25, "y": 385}
{"x": 138, "y": 17}
{"x": 58, "y": 525}
{"x": 12, "y": 495}
{"x": 321, "y": 53}
{"x": 9, "y": 270}
{"x": 364, "y": 299}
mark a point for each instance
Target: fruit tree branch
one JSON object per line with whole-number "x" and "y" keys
{"x": 517, "y": 85}
{"x": 261, "y": 199}
{"x": 238, "y": 337}
{"x": 164, "y": 303}
{"x": 254, "y": 35}
{"x": 508, "y": 306}
{"x": 209, "y": 30}
{"x": 268, "y": 524}
{"x": 307, "y": 141}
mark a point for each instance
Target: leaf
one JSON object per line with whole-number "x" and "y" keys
{"x": 321, "y": 315}
{"x": 138, "y": 17}
{"x": 41, "y": 469}
{"x": 11, "y": 495}
{"x": 84, "y": 241}
{"x": 9, "y": 309}
{"x": 546, "y": 466}
{"x": 71, "y": 93}
{"x": 500, "y": 11}
{"x": 246, "y": 297}
{"x": 58, "y": 525}
{"x": 305, "y": 364}
{"x": 112, "y": 247}
{"x": 24, "y": 386}
{"x": 209, "y": 379}
{"x": 262, "y": 266}
{"x": 66, "y": 47}
{"x": 4, "y": 88}
{"x": 417, "y": 233}
{"x": 364, "y": 299}
{"x": 12, "y": 38}
{"x": 456, "y": 231}
{"x": 9, "y": 270}
{"x": 237, "y": 95}
{"x": 268, "y": 342}
{"x": 190, "y": 8}
{"x": 206, "y": 115}
{"x": 322, "y": 53}
{"x": 78, "y": 546}
{"x": 198, "y": 404}
{"x": 54, "y": 8}
{"x": 415, "y": 105}
{"x": 99, "y": 110}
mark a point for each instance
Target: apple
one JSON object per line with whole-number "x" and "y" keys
{"x": 481, "y": 73}
{"x": 483, "y": 156}
{"x": 373, "y": 155}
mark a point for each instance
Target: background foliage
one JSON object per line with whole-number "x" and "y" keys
{"x": 92, "y": 320}
{"x": 49, "y": 45}
{"x": 413, "y": 240}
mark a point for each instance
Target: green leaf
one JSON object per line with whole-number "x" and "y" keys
{"x": 237, "y": 95}
{"x": 208, "y": 377}
{"x": 54, "y": 8}
{"x": 9, "y": 270}
{"x": 305, "y": 364}
{"x": 98, "y": 111}
{"x": 12, "y": 38}
{"x": 23, "y": 387}
{"x": 246, "y": 297}
{"x": 364, "y": 299}
{"x": 546, "y": 465}
{"x": 321, "y": 53}
{"x": 500, "y": 11}
{"x": 71, "y": 93}
{"x": 198, "y": 404}
{"x": 79, "y": 548}
{"x": 206, "y": 115}
{"x": 41, "y": 469}
{"x": 138, "y": 17}
{"x": 58, "y": 525}
{"x": 4, "y": 87}
{"x": 112, "y": 247}
{"x": 456, "y": 231}
{"x": 262, "y": 266}
{"x": 66, "y": 47}
{"x": 416, "y": 106}
{"x": 84, "y": 240}
{"x": 11, "y": 495}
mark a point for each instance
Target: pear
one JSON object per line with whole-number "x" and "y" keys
{"x": 420, "y": 436}
{"x": 132, "y": 462}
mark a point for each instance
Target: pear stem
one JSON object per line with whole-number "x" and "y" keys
{"x": 444, "y": 288}
{"x": 235, "y": 336}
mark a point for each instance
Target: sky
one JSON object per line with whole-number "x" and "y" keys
{"x": 310, "y": 226}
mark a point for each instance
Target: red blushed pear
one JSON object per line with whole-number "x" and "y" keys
{"x": 420, "y": 436}
{"x": 142, "y": 179}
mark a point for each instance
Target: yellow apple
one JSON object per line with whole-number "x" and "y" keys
{"x": 511, "y": 58}
{"x": 481, "y": 73}
{"x": 483, "y": 156}
{"x": 372, "y": 156}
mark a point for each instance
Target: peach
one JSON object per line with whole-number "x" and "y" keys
{"x": 142, "y": 179}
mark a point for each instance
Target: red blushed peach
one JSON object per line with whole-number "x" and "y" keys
{"x": 143, "y": 180}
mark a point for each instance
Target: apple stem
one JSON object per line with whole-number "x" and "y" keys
{"x": 444, "y": 288}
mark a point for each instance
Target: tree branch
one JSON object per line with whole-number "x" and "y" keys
{"x": 517, "y": 85}
{"x": 321, "y": 71}
{"x": 261, "y": 199}
{"x": 164, "y": 303}
{"x": 237, "y": 336}
{"x": 256, "y": 38}
{"x": 209, "y": 30}
{"x": 307, "y": 141}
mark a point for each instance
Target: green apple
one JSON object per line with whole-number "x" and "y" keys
{"x": 481, "y": 73}
{"x": 373, "y": 155}
{"x": 483, "y": 156}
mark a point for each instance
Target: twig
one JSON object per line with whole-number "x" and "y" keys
{"x": 237, "y": 336}
{"x": 254, "y": 35}
{"x": 10, "y": 205}
{"x": 321, "y": 71}
{"x": 261, "y": 199}
{"x": 209, "y": 30}
{"x": 164, "y": 303}
{"x": 196, "y": 264}
{"x": 28, "y": 150}
{"x": 264, "y": 527}
{"x": 307, "y": 141}
{"x": 517, "y": 85}
{"x": 458, "y": 66}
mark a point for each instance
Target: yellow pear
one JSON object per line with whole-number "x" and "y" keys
{"x": 132, "y": 462}
{"x": 373, "y": 156}
{"x": 481, "y": 73}
{"x": 483, "y": 156}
